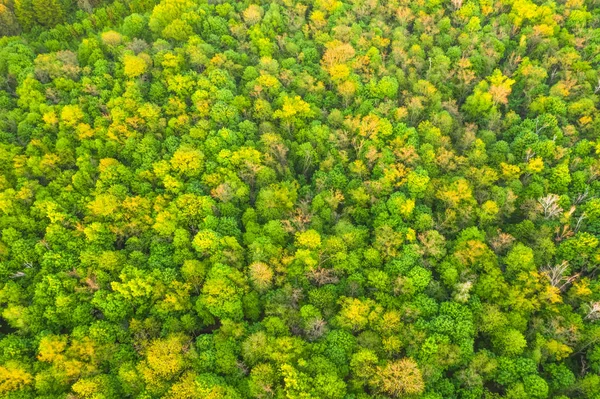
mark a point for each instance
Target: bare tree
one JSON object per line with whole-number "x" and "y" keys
{"x": 315, "y": 329}
{"x": 581, "y": 196}
{"x": 501, "y": 242}
{"x": 550, "y": 206}
{"x": 593, "y": 311}
{"x": 529, "y": 154}
{"x": 580, "y": 219}
{"x": 457, "y": 4}
{"x": 556, "y": 275}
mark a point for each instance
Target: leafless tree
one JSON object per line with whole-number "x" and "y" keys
{"x": 315, "y": 329}
{"x": 581, "y": 196}
{"x": 593, "y": 311}
{"x": 322, "y": 276}
{"x": 556, "y": 275}
{"x": 457, "y": 4}
{"x": 501, "y": 242}
{"x": 550, "y": 206}
{"x": 529, "y": 154}
{"x": 580, "y": 219}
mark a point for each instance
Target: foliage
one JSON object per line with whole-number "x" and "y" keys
{"x": 328, "y": 199}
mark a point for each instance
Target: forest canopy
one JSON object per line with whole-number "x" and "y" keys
{"x": 299, "y": 199}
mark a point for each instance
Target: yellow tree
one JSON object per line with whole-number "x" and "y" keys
{"x": 399, "y": 378}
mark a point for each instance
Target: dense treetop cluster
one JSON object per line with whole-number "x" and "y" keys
{"x": 299, "y": 199}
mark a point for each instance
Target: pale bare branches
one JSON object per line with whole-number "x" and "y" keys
{"x": 556, "y": 274}
{"x": 593, "y": 312}
{"x": 501, "y": 242}
{"x": 322, "y": 276}
{"x": 550, "y": 206}
{"x": 315, "y": 328}
{"x": 300, "y": 219}
{"x": 581, "y": 196}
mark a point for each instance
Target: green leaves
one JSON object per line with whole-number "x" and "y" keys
{"x": 344, "y": 199}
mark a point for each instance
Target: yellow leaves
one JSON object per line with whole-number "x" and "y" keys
{"x": 104, "y": 205}
{"x": 584, "y": 120}
{"x": 70, "y": 362}
{"x": 489, "y": 211}
{"x": 193, "y": 271}
{"x": 51, "y": 348}
{"x": 318, "y": 19}
{"x": 85, "y": 388}
{"x": 472, "y": 251}
{"x": 181, "y": 85}
{"x": 402, "y": 206}
{"x": 261, "y": 275}
{"x": 26, "y": 193}
{"x": 380, "y": 42}
{"x": 253, "y": 14}
{"x": 347, "y": 89}
{"x": 307, "y": 258}
{"x": 500, "y": 87}
{"x": 339, "y": 72}
{"x": 293, "y": 107}
{"x": 71, "y": 115}
{"x": 509, "y": 172}
{"x": 486, "y": 6}
{"x": 337, "y": 53}
{"x": 110, "y": 261}
{"x": 161, "y": 169}
{"x": 543, "y": 30}
{"x": 164, "y": 359}
{"x": 310, "y": 239}
{"x": 474, "y": 24}
{"x": 15, "y": 315}
{"x": 465, "y": 72}
{"x": 135, "y": 287}
{"x": 268, "y": 81}
{"x": 188, "y": 161}
{"x": 150, "y": 112}
{"x": 558, "y": 350}
{"x": 535, "y": 165}
{"x": 523, "y": 10}
{"x": 371, "y": 126}
{"x": 134, "y": 65}
{"x": 52, "y": 211}
{"x": 245, "y": 156}
{"x": 400, "y": 377}
{"x": 177, "y": 298}
{"x": 392, "y": 344}
{"x": 171, "y": 61}
{"x": 356, "y": 314}
{"x": 50, "y": 118}
{"x": 531, "y": 71}
{"x": 72, "y": 368}
{"x": 358, "y": 167}
{"x": 455, "y": 193}
{"x": 206, "y": 241}
{"x": 166, "y": 222}
{"x": 186, "y": 388}
{"x": 111, "y": 38}
{"x": 6, "y": 201}
{"x": 551, "y": 294}
{"x": 84, "y": 131}
{"x": 328, "y": 5}
{"x": 581, "y": 289}
{"x": 13, "y": 377}
{"x": 106, "y": 166}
